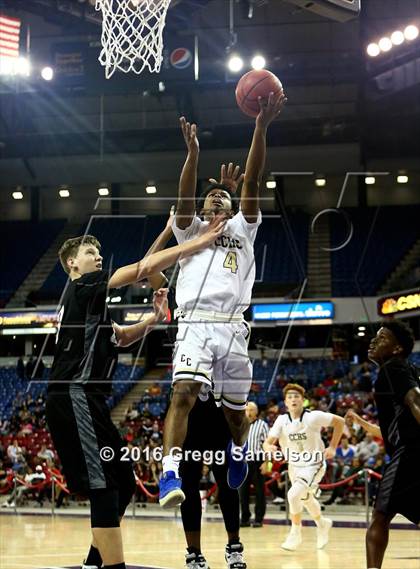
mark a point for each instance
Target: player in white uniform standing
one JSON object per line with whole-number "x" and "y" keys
{"x": 298, "y": 433}
{"x": 212, "y": 293}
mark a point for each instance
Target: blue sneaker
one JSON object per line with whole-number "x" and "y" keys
{"x": 237, "y": 469}
{"x": 170, "y": 493}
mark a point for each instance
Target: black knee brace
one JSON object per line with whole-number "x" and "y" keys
{"x": 104, "y": 508}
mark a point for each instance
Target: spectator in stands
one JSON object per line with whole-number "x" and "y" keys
{"x": 3, "y": 475}
{"x": 345, "y": 453}
{"x": 19, "y": 492}
{"x": 340, "y": 491}
{"x": 39, "y": 369}
{"x": 155, "y": 390}
{"x": 367, "y": 448}
{"x": 30, "y": 366}
{"x": 365, "y": 378}
{"x": 27, "y": 428}
{"x": 156, "y": 434}
{"x": 20, "y": 368}
{"x": 46, "y": 454}
{"x": 131, "y": 414}
{"x": 147, "y": 427}
{"x": 16, "y": 456}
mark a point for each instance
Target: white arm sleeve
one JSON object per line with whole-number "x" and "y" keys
{"x": 182, "y": 235}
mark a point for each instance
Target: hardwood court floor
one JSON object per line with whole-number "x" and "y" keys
{"x": 35, "y": 542}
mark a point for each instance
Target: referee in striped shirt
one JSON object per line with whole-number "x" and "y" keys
{"x": 258, "y": 432}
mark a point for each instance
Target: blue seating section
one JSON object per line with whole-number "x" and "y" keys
{"x": 285, "y": 240}
{"x": 26, "y": 242}
{"x": 381, "y": 238}
{"x": 12, "y": 388}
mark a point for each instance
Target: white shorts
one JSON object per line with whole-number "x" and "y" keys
{"x": 216, "y": 355}
{"x": 310, "y": 475}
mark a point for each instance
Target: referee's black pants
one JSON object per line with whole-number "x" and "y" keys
{"x": 257, "y": 479}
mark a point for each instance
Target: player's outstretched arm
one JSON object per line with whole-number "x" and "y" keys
{"x": 188, "y": 181}
{"x": 337, "y": 424}
{"x": 163, "y": 259}
{"x": 412, "y": 399}
{"x": 371, "y": 428}
{"x": 256, "y": 158}
{"x": 159, "y": 280}
{"x": 127, "y": 335}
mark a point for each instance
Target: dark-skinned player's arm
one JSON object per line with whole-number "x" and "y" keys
{"x": 337, "y": 425}
{"x": 127, "y": 335}
{"x": 255, "y": 163}
{"x": 370, "y": 428}
{"x": 412, "y": 399}
{"x": 161, "y": 260}
{"x": 185, "y": 209}
{"x": 159, "y": 280}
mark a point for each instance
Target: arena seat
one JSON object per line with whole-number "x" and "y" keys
{"x": 19, "y": 259}
{"x": 377, "y": 246}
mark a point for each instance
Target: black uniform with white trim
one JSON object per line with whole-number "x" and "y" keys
{"x": 399, "y": 490}
{"x": 81, "y": 379}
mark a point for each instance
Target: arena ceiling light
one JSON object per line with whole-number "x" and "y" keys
{"x": 361, "y": 328}
{"x": 411, "y": 32}
{"x": 235, "y": 63}
{"x": 17, "y": 195}
{"x": 151, "y": 188}
{"x": 373, "y": 49}
{"x": 258, "y": 62}
{"x": 47, "y": 73}
{"x": 116, "y": 299}
{"x": 397, "y": 37}
{"x": 64, "y": 192}
{"x": 361, "y": 334}
{"x": 402, "y": 178}
{"x": 103, "y": 190}
{"x": 370, "y": 180}
{"x": 271, "y": 184}
{"x": 320, "y": 182}
{"x": 385, "y": 44}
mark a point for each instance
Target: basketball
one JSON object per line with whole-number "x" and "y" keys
{"x": 256, "y": 84}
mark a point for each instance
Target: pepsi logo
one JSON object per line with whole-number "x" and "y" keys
{"x": 181, "y": 58}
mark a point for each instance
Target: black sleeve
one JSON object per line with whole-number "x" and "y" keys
{"x": 402, "y": 378}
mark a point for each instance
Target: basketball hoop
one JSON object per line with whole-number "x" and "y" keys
{"x": 132, "y": 35}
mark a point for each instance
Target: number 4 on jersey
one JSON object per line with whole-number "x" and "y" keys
{"x": 231, "y": 262}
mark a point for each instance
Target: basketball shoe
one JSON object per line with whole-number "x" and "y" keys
{"x": 170, "y": 492}
{"x": 294, "y": 539}
{"x": 195, "y": 561}
{"x": 323, "y": 532}
{"x": 234, "y": 556}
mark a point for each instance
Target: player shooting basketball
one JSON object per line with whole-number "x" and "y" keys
{"x": 211, "y": 352}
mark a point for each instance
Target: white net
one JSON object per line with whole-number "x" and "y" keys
{"x": 132, "y": 34}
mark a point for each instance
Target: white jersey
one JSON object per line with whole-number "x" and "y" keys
{"x": 300, "y": 439}
{"x": 219, "y": 278}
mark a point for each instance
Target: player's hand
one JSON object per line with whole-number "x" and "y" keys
{"x": 352, "y": 415}
{"x": 230, "y": 177}
{"x": 329, "y": 453}
{"x": 189, "y": 132}
{"x": 170, "y": 218}
{"x": 270, "y": 109}
{"x": 214, "y": 229}
{"x": 160, "y": 303}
